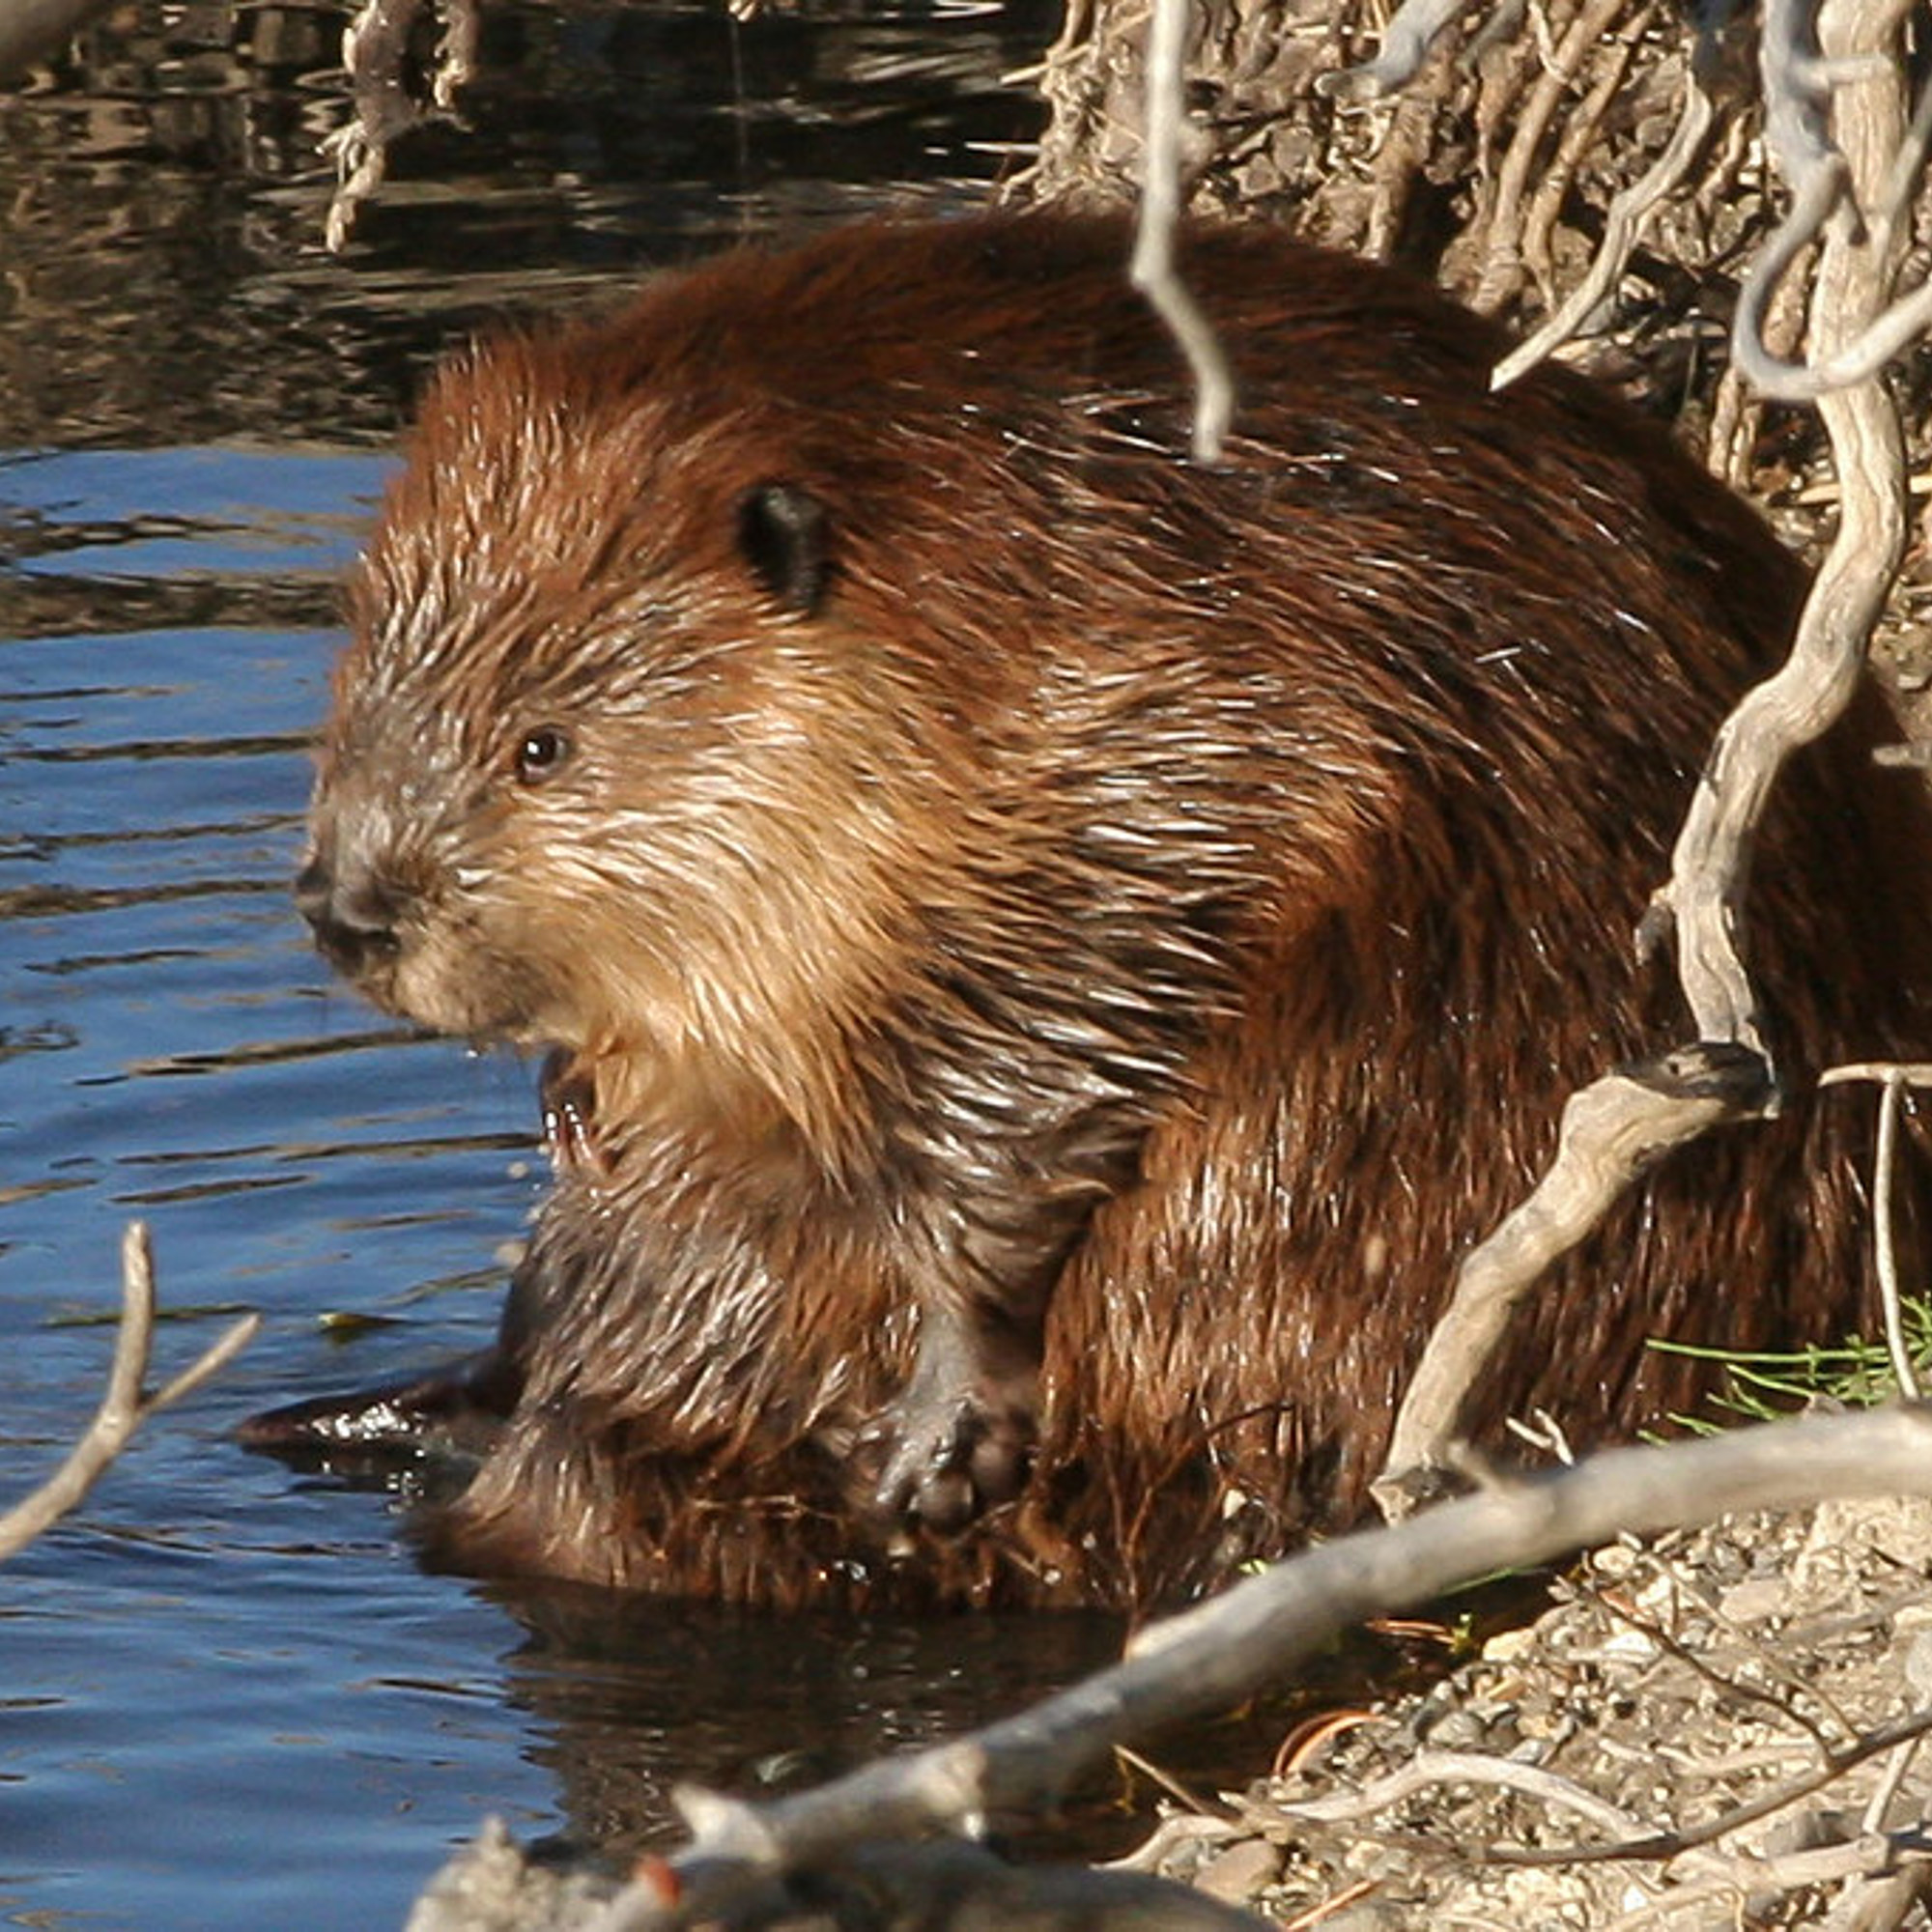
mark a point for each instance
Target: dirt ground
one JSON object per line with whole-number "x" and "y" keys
{"x": 1669, "y": 1744}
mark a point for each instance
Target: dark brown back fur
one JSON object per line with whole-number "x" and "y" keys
{"x": 1155, "y": 912}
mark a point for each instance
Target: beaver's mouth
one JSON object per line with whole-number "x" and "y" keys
{"x": 352, "y": 919}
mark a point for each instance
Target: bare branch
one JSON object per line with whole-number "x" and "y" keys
{"x": 1634, "y": 1844}
{"x": 1882, "y": 1797}
{"x": 1428, "y": 1768}
{"x": 1746, "y": 1876}
{"x": 1711, "y": 865}
{"x": 1623, "y": 225}
{"x": 1864, "y": 357}
{"x": 1213, "y": 1656}
{"x": 1613, "y": 1132}
{"x": 1582, "y": 134}
{"x": 122, "y": 1408}
{"x": 1153, "y": 270}
{"x": 1797, "y": 94}
{"x": 1502, "y": 266}
{"x": 1675, "y": 1842}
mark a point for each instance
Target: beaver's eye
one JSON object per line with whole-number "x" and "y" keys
{"x": 542, "y": 754}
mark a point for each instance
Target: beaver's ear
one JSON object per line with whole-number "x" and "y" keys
{"x": 784, "y": 533}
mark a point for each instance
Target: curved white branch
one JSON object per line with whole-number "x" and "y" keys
{"x": 122, "y": 1408}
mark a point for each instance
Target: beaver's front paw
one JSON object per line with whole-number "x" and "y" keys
{"x": 951, "y": 1454}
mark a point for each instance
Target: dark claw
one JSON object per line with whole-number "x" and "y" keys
{"x": 458, "y": 1410}
{"x": 570, "y": 1115}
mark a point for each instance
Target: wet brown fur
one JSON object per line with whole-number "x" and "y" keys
{"x": 1069, "y": 885}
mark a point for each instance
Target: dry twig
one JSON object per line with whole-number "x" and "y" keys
{"x": 1623, "y": 227}
{"x": 1613, "y": 1132}
{"x": 1828, "y": 187}
{"x": 1503, "y": 264}
{"x": 1674, "y": 1842}
{"x": 1153, "y": 270}
{"x": 124, "y": 1407}
{"x": 1413, "y": 30}
{"x": 1893, "y": 1078}
{"x": 1710, "y": 868}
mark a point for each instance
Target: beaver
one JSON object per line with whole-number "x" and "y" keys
{"x": 1048, "y": 951}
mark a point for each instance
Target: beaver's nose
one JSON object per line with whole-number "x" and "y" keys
{"x": 351, "y": 911}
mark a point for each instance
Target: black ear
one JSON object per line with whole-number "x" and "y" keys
{"x": 784, "y": 532}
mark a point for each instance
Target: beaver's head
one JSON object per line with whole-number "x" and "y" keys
{"x": 608, "y": 767}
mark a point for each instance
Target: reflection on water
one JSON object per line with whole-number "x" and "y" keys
{"x": 631, "y": 1698}
{"x": 231, "y": 1697}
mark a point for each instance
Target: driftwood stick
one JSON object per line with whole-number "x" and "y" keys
{"x": 1615, "y": 1131}
{"x": 1853, "y": 153}
{"x": 1212, "y": 1657}
{"x": 124, "y": 1407}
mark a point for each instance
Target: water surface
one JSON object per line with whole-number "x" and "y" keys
{"x": 232, "y": 1696}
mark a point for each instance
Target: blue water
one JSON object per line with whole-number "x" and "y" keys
{"x": 209, "y": 1658}
{"x": 232, "y": 1698}
{"x": 229, "y": 1695}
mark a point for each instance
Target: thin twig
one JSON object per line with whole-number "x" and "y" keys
{"x": 1195, "y": 1803}
{"x": 1502, "y": 269}
{"x": 1431, "y": 1768}
{"x": 1624, "y": 224}
{"x": 1613, "y": 1131}
{"x": 1741, "y": 1688}
{"x": 1153, "y": 270}
{"x": 1405, "y": 43}
{"x": 1748, "y": 1876}
{"x": 124, "y": 1407}
{"x": 1676, "y": 1842}
{"x": 1907, "y": 1072}
{"x": 1887, "y": 1785}
{"x": 1581, "y": 134}
{"x": 1327, "y": 1908}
